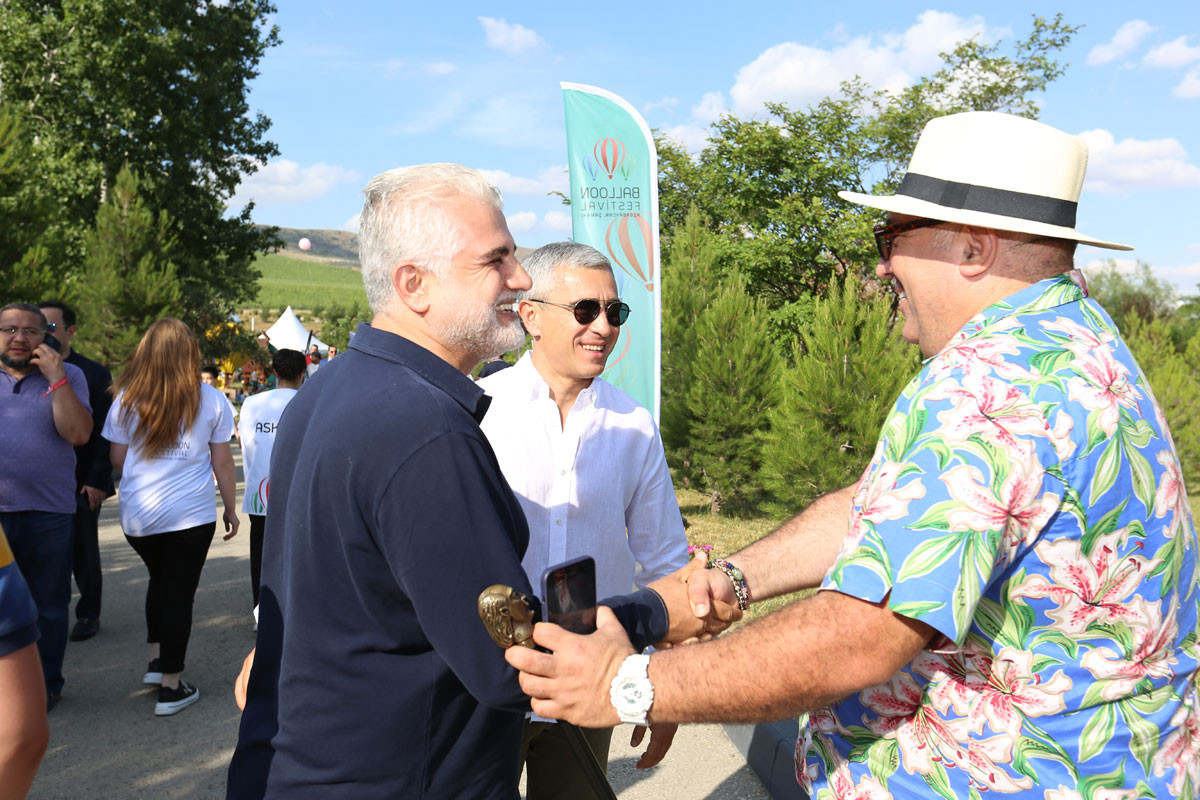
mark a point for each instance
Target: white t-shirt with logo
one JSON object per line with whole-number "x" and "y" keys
{"x": 173, "y": 490}
{"x": 256, "y": 429}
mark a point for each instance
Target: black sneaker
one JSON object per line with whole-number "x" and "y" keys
{"x": 153, "y": 676}
{"x": 172, "y": 701}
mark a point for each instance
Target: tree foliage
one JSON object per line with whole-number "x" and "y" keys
{"x": 1129, "y": 294}
{"x": 731, "y": 392}
{"x": 129, "y": 277}
{"x": 26, "y": 262}
{"x": 160, "y": 87}
{"x": 835, "y": 395}
{"x": 769, "y": 185}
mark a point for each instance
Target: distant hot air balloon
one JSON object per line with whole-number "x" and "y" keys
{"x": 632, "y": 250}
{"x": 609, "y": 154}
{"x": 304, "y": 243}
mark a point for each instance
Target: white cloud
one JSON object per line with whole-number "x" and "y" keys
{"x": 446, "y": 109}
{"x": 352, "y": 223}
{"x": 522, "y": 221}
{"x": 1189, "y": 87}
{"x": 551, "y": 179}
{"x": 1127, "y": 39}
{"x": 509, "y": 37}
{"x": 285, "y": 181}
{"x": 393, "y": 67}
{"x": 799, "y": 74}
{"x": 1173, "y": 54}
{"x": 1133, "y": 164}
{"x": 665, "y": 104}
{"x": 440, "y": 68}
{"x": 557, "y": 221}
{"x": 710, "y": 108}
{"x": 692, "y": 137}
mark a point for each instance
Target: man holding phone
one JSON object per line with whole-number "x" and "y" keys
{"x": 587, "y": 465}
{"x": 44, "y": 414}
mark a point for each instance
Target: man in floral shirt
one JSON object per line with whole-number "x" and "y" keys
{"x": 1013, "y": 606}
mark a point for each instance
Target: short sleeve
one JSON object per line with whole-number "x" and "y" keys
{"x": 115, "y": 429}
{"x": 954, "y": 491}
{"x": 78, "y": 385}
{"x": 222, "y": 428}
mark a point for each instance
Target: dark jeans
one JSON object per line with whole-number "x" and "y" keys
{"x": 174, "y": 560}
{"x": 258, "y": 524}
{"x": 88, "y": 577}
{"x": 41, "y": 545}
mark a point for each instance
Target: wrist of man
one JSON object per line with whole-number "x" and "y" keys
{"x": 740, "y": 587}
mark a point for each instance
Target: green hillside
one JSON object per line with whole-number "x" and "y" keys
{"x": 307, "y": 284}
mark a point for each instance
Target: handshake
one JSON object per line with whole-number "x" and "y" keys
{"x": 700, "y": 602}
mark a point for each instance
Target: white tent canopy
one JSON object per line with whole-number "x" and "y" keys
{"x": 289, "y": 333}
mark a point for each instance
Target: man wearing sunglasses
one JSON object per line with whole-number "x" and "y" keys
{"x": 1013, "y": 606}
{"x": 587, "y": 465}
{"x": 44, "y": 415}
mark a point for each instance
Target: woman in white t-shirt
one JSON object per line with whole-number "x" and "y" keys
{"x": 169, "y": 435}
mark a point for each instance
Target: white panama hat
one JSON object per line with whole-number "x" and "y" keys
{"x": 996, "y": 171}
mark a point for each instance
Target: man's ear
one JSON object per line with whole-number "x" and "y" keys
{"x": 530, "y": 314}
{"x": 980, "y": 246}
{"x": 412, "y": 286}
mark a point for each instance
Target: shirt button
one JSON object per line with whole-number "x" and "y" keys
{"x": 558, "y": 522}
{"x": 562, "y": 472}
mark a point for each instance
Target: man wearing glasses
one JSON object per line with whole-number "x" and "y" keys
{"x": 1013, "y": 606}
{"x": 44, "y": 414}
{"x": 587, "y": 465}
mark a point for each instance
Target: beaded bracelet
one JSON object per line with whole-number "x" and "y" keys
{"x": 739, "y": 581}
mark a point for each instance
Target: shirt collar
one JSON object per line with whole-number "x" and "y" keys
{"x": 1069, "y": 287}
{"x": 395, "y": 348}
{"x": 538, "y": 388}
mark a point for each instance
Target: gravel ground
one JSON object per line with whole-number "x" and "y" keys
{"x": 105, "y": 741}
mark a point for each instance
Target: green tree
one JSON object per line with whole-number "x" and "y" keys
{"x": 161, "y": 87}
{"x": 129, "y": 277}
{"x": 731, "y": 392}
{"x": 1126, "y": 295}
{"x": 1174, "y": 376}
{"x": 691, "y": 276}
{"x": 340, "y": 321}
{"x": 770, "y": 185}
{"x": 835, "y": 395}
{"x": 26, "y": 263}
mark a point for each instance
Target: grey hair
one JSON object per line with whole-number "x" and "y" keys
{"x": 541, "y": 265}
{"x": 404, "y": 219}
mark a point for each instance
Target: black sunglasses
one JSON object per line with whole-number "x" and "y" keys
{"x": 586, "y": 311}
{"x": 886, "y": 234}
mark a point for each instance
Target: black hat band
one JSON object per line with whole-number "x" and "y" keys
{"x": 1002, "y": 202}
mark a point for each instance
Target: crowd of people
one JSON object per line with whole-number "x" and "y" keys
{"x": 1007, "y": 600}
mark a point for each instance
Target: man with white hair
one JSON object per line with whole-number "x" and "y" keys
{"x": 373, "y": 675}
{"x": 1008, "y": 600}
{"x": 587, "y": 464}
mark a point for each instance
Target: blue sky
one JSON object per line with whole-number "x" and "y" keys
{"x": 360, "y": 87}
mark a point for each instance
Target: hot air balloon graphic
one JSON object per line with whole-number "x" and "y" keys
{"x": 630, "y": 244}
{"x": 610, "y": 154}
{"x": 593, "y": 169}
{"x": 259, "y": 504}
{"x": 624, "y": 332}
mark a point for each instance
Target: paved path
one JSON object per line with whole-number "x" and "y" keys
{"x": 105, "y": 741}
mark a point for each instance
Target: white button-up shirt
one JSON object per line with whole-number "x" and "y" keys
{"x": 597, "y": 485}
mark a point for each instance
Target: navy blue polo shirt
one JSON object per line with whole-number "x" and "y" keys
{"x": 374, "y": 677}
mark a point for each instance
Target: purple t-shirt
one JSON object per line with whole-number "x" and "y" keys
{"x": 37, "y": 470}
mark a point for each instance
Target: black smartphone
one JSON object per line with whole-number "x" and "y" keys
{"x": 569, "y": 590}
{"x": 53, "y": 343}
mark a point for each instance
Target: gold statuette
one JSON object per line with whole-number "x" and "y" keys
{"x": 507, "y": 616}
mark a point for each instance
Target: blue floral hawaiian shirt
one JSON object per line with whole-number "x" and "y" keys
{"x": 1026, "y": 501}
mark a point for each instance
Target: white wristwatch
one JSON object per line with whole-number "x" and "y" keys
{"x": 632, "y": 694}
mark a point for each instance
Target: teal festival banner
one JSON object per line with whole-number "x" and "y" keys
{"x": 614, "y": 208}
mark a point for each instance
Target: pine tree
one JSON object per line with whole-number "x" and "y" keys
{"x": 835, "y": 396}
{"x": 690, "y": 278}
{"x": 129, "y": 279}
{"x": 731, "y": 392}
